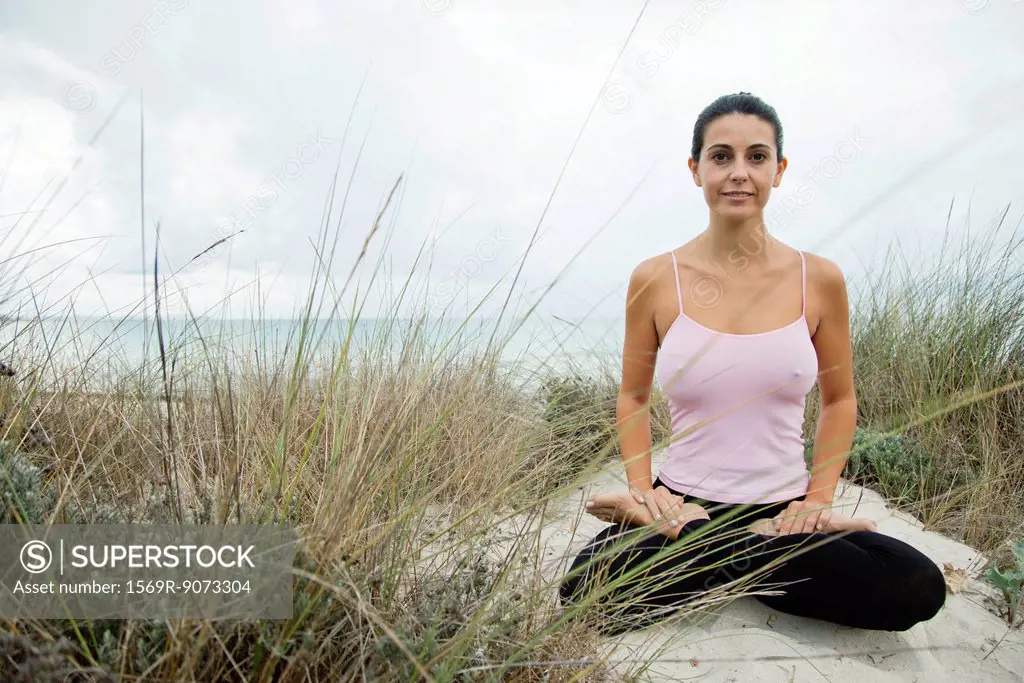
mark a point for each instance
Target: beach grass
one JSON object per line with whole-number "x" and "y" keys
{"x": 416, "y": 481}
{"x": 403, "y": 474}
{"x": 397, "y": 475}
{"x": 420, "y": 481}
{"x": 939, "y": 356}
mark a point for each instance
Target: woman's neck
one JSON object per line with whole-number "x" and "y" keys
{"x": 727, "y": 241}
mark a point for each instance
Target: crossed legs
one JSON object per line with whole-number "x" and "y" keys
{"x": 847, "y": 574}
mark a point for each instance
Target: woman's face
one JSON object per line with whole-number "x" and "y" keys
{"x": 738, "y": 166}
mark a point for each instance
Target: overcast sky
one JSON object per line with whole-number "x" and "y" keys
{"x": 891, "y": 109}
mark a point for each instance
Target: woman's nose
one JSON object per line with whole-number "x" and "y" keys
{"x": 739, "y": 171}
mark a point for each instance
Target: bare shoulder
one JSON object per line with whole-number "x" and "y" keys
{"x": 646, "y": 273}
{"x": 824, "y": 274}
{"x": 827, "y": 300}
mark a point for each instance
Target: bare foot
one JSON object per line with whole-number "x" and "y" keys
{"x": 836, "y": 523}
{"x": 622, "y": 508}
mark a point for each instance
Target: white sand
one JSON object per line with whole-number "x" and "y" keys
{"x": 736, "y": 642}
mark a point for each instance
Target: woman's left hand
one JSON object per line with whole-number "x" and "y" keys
{"x": 803, "y": 517}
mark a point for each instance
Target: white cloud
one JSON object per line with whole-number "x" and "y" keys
{"x": 206, "y": 174}
{"x": 299, "y": 24}
{"x": 480, "y": 105}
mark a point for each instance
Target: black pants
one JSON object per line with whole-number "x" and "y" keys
{"x": 861, "y": 579}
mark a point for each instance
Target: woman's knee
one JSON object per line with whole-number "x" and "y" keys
{"x": 911, "y": 590}
{"x": 588, "y": 573}
{"x": 568, "y": 589}
{"x": 902, "y": 588}
{"x": 923, "y": 594}
{"x": 574, "y": 583}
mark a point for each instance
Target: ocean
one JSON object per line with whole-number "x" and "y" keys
{"x": 104, "y": 348}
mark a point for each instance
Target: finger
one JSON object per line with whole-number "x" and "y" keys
{"x": 676, "y": 511}
{"x": 664, "y": 495}
{"x": 662, "y": 514}
{"x": 805, "y": 524}
{"x": 797, "y": 525}
{"x": 786, "y": 522}
{"x": 652, "y": 505}
{"x": 808, "y": 523}
{"x": 818, "y": 521}
{"x": 796, "y": 522}
{"x": 665, "y": 504}
{"x": 779, "y": 522}
{"x": 645, "y": 498}
{"x": 823, "y": 520}
{"x": 667, "y": 497}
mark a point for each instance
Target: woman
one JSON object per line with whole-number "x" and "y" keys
{"x": 734, "y": 501}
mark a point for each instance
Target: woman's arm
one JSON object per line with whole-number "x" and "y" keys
{"x": 639, "y": 353}
{"x": 838, "y": 417}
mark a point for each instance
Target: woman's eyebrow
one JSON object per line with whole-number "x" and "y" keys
{"x": 756, "y": 145}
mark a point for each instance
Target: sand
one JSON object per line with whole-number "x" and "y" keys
{"x": 747, "y": 641}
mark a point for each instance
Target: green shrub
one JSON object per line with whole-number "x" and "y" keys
{"x": 579, "y": 414}
{"x": 1010, "y": 583}
{"x": 27, "y": 498}
{"x": 24, "y": 496}
{"x": 898, "y": 465}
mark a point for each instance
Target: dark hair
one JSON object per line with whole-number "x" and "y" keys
{"x": 738, "y": 103}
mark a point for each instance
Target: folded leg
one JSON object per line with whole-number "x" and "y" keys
{"x": 862, "y": 579}
{"x": 639, "y": 578}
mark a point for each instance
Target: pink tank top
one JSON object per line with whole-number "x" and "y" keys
{"x": 737, "y": 406}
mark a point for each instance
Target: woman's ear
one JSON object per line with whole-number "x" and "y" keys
{"x": 694, "y": 170}
{"x": 783, "y": 163}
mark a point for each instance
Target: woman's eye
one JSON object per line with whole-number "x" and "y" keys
{"x": 762, "y": 155}
{"x": 720, "y": 156}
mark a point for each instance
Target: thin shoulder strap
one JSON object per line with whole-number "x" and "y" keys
{"x": 803, "y": 284}
{"x": 679, "y": 290}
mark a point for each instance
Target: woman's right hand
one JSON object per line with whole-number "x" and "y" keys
{"x": 661, "y": 503}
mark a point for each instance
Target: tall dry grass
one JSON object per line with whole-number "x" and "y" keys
{"x": 402, "y": 472}
{"x": 416, "y": 471}
{"x": 939, "y": 356}
{"x": 399, "y": 468}
{"x": 397, "y": 474}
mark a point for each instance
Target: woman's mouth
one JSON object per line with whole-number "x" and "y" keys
{"x": 738, "y": 195}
